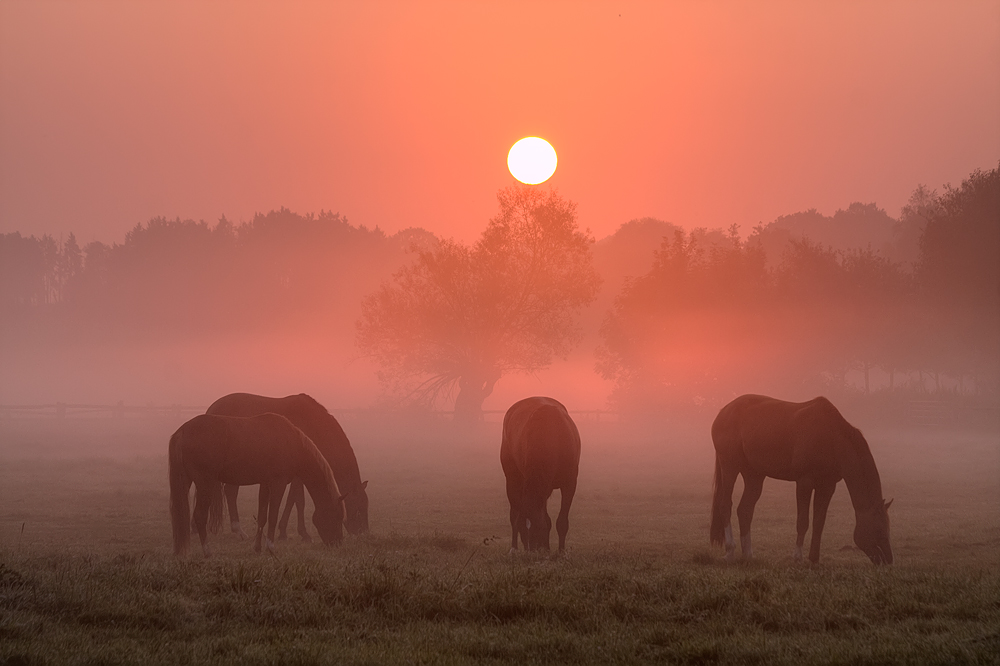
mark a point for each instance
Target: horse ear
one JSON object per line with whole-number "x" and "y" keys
{"x": 364, "y": 485}
{"x": 889, "y": 503}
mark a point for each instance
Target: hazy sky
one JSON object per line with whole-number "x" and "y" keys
{"x": 398, "y": 115}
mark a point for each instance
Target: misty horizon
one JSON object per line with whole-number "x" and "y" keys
{"x": 187, "y": 300}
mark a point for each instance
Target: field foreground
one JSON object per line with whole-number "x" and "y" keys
{"x": 86, "y": 574}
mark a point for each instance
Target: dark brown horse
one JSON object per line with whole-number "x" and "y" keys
{"x": 268, "y": 450}
{"x": 323, "y": 429}
{"x": 539, "y": 452}
{"x": 809, "y": 443}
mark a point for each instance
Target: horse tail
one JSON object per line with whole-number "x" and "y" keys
{"x": 717, "y": 531}
{"x": 180, "y": 484}
{"x": 215, "y": 509}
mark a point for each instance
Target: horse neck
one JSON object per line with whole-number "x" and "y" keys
{"x": 314, "y": 476}
{"x": 860, "y": 474}
{"x": 337, "y": 450}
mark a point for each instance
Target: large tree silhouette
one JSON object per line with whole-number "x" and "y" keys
{"x": 959, "y": 278}
{"x": 466, "y": 316}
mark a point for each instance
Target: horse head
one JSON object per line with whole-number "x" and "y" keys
{"x": 871, "y": 533}
{"x": 356, "y": 510}
{"x": 539, "y": 527}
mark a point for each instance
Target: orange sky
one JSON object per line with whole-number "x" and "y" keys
{"x": 398, "y": 115}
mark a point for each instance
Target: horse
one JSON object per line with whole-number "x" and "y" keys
{"x": 322, "y": 428}
{"x": 539, "y": 452}
{"x": 809, "y": 443}
{"x": 211, "y": 450}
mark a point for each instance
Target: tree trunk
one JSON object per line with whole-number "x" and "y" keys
{"x": 473, "y": 389}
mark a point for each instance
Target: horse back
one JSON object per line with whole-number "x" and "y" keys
{"x": 308, "y": 415}
{"x": 780, "y": 439}
{"x": 541, "y": 444}
{"x": 240, "y": 450}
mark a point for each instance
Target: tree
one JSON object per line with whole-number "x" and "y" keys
{"x": 678, "y": 333}
{"x": 22, "y": 271}
{"x": 958, "y": 275}
{"x": 69, "y": 266}
{"x": 466, "y": 316}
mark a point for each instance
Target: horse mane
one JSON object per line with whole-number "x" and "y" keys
{"x": 315, "y": 457}
{"x": 853, "y": 435}
{"x": 313, "y": 405}
{"x": 869, "y": 472}
{"x": 858, "y": 441}
{"x": 314, "y": 409}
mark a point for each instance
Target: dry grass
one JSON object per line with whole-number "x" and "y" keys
{"x": 91, "y": 579}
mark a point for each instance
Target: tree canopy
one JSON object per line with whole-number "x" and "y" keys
{"x": 715, "y": 318}
{"x": 466, "y": 316}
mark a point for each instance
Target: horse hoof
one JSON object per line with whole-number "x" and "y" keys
{"x": 306, "y": 538}
{"x": 282, "y": 537}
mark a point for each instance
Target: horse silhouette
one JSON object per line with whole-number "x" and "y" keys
{"x": 325, "y": 432}
{"x": 210, "y": 450}
{"x": 809, "y": 443}
{"x": 539, "y": 452}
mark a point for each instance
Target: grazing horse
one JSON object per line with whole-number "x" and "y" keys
{"x": 539, "y": 452}
{"x": 809, "y": 443}
{"x": 313, "y": 419}
{"x": 268, "y": 450}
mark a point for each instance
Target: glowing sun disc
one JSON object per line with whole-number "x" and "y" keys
{"x": 532, "y": 160}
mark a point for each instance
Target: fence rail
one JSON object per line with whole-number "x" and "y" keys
{"x": 121, "y": 410}
{"x": 917, "y": 412}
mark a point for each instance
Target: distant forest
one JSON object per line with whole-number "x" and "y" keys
{"x": 682, "y": 316}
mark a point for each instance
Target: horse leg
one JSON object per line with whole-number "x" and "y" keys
{"x": 276, "y": 495}
{"x": 286, "y": 514}
{"x": 515, "y": 489}
{"x": 803, "y": 495}
{"x": 515, "y": 516}
{"x": 231, "y": 492}
{"x": 548, "y": 524}
{"x": 202, "y": 500}
{"x": 753, "y": 484}
{"x": 301, "y": 505}
{"x": 263, "y": 500}
{"x": 562, "y": 520}
{"x": 824, "y": 493}
{"x": 297, "y": 498}
{"x": 722, "y": 506}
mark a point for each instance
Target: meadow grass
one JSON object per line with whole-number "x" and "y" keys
{"x": 86, "y": 574}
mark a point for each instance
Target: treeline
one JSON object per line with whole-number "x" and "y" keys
{"x": 717, "y": 316}
{"x": 854, "y": 301}
{"x": 185, "y": 277}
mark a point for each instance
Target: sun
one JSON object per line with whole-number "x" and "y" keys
{"x": 532, "y": 160}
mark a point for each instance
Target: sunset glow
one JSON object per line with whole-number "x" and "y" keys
{"x": 532, "y": 160}
{"x": 266, "y": 259}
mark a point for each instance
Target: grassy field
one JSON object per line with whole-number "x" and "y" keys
{"x": 87, "y": 575}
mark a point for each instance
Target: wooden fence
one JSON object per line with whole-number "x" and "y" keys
{"x": 121, "y": 410}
